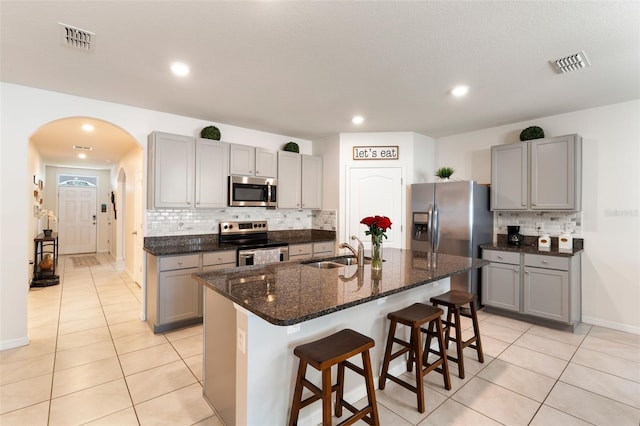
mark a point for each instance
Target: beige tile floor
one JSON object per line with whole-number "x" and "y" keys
{"x": 92, "y": 361}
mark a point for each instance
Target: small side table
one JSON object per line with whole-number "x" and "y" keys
{"x": 43, "y": 246}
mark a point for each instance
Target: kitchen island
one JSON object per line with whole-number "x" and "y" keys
{"x": 255, "y": 316}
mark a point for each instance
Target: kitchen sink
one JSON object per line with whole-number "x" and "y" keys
{"x": 325, "y": 264}
{"x": 337, "y": 262}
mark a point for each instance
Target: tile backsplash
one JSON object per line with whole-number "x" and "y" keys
{"x": 552, "y": 223}
{"x": 161, "y": 222}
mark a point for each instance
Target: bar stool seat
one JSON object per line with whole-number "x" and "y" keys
{"x": 322, "y": 354}
{"x": 455, "y": 300}
{"x": 415, "y": 316}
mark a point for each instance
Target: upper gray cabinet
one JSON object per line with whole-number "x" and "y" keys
{"x": 299, "y": 181}
{"x": 251, "y": 161}
{"x": 541, "y": 174}
{"x": 185, "y": 172}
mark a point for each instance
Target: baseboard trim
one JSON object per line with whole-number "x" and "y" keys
{"x": 14, "y": 343}
{"x": 611, "y": 324}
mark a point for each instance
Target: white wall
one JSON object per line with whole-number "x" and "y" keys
{"x": 416, "y": 157}
{"x": 610, "y": 200}
{"x": 23, "y": 111}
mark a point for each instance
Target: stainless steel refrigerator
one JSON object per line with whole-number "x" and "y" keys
{"x": 452, "y": 218}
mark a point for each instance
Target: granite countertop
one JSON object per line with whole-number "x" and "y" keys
{"x": 288, "y": 293}
{"x": 530, "y": 246}
{"x": 188, "y": 244}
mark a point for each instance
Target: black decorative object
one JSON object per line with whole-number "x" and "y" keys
{"x": 533, "y": 132}
{"x": 210, "y": 132}
{"x": 292, "y": 147}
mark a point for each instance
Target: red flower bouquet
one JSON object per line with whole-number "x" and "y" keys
{"x": 378, "y": 226}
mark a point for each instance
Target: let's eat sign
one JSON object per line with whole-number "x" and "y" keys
{"x": 376, "y": 153}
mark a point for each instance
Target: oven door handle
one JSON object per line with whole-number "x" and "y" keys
{"x": 247, "y": 254}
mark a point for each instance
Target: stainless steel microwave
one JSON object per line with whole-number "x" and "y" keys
{"x": 245, "y": 191}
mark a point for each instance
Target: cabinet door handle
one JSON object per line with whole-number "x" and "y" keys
{"x": 179, "y": 262}
{"x": 499, "y": 257}
{"x": 544, "y": 261}
{"x": 526, "y": 272}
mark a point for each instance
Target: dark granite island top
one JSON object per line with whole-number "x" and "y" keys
{"x": 288, "y": 293}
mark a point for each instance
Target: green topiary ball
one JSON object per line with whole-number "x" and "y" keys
{"x": 210, "y": 132}
{"x": 292, "y": 147}
{"x": 533, "y": 132}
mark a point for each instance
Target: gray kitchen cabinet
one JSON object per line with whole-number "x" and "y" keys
{"x": 266, "y": 163}
{"x": 289, "y": 180}
{"x": 218, "y": 260}
{"x": 174, "y": 299}
{"x": 549, "y": 287}
{"x": 324, "y": 249}
{"x": 552, "y": 287}
{"x": 299, "y": 181}
{"x": 185, "y": 172}
{"x": 311, "y": 182}
{"x": 171, "y": 170}
{"x": 509, "y": 177}
{"x": 211, "y": 173}
{"x": 300, "y": 251}
{"x": 501, "y": 280}
{"x": 540, "y": 175}
{"x": 556, "y": 173}
{"x": 251, "y": 161}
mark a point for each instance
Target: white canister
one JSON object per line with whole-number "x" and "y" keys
{"x": 565, "y": 241}
{"x": 544, "y": 241}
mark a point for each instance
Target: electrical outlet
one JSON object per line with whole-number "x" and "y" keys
{"x": 568, "y": 227}
{"x": 242, "y": 340}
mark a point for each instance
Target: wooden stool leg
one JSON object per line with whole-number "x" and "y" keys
{"x": 476, "y": 331}
{"x": 417, "y": 350}
{"x": 371, "y": 391}
{"x": 339, "y": 390}
{"x": 387, "y": 355}
{"x": 297, "y": 394}
{"x": 458, "y": 331}
{"x": 326, "y": 397}
{"x": 443, "y": 353}
{"x": 447, "y": 338}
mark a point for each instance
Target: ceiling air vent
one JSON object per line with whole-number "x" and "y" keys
{"x": 77, "y": 38}
{"x": 85, "y": 148}
{"x": 571, "y": 63}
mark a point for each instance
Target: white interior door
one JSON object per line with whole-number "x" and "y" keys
{"x": 77, "y": 219}
{"x": 138, "y": 254}
{"x": 375, "y": 191}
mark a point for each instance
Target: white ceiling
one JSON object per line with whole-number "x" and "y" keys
{"x": 303, "y": 69}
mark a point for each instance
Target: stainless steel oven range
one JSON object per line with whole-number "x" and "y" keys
{"x": 252, "y": 240}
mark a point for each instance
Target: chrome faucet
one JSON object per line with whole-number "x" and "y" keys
{"x": 358, "y": 254}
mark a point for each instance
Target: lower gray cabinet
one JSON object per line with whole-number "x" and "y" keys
{"x": 174, "y": 298}
{"x": 501, "y": 286}
{"x": 181, "y": 296}
{"x": 533, "y": 285}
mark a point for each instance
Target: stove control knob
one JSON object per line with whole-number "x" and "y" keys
{"x": 230, "y": 226}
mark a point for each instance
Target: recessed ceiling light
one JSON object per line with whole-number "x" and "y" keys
{"x": 82, "y": 155}
{"x": 460, "y": 91}
{"x": 88, "y": 127}
{"x": 358, "y": 119}
{"x": 180, "y": 69}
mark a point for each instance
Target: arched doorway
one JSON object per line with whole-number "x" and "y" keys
{"x": 108, "y": 150}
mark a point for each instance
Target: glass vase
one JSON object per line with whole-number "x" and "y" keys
{"x": 376, "y": 252}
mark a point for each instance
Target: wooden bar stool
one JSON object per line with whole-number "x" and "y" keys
{"x": 324, "y": 353}
{"x": 415, "y": 316}
{"x": 454, "y": 300}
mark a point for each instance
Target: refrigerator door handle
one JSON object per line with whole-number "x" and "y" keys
{"x": 436, "y": 228}
{"x": 430, "y": 227}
